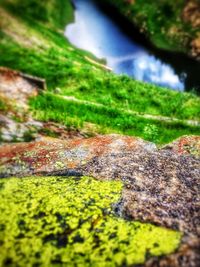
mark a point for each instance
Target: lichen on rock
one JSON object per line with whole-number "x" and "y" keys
{"x": 54, "y": 221}
{"x": 185, "y": 145}
{"x": 160, "y": 186}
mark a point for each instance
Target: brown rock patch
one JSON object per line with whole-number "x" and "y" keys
{"x": 191, "y": 13}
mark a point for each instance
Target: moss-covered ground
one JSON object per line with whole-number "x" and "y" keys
{"x": 31, "y": 40}
{"x": 57, "y": 220}
{"x": 162, "y": 21}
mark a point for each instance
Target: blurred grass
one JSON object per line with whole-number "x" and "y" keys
{"x": 68, "y": 72}
{"x": 52, "y": 107}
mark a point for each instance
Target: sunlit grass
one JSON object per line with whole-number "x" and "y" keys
{"x": 68, "y": 72}
{"x": 49, "y": 107}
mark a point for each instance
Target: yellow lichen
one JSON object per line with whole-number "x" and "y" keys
{"x": 54, "y": 220}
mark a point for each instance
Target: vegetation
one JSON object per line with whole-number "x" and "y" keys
{"x": 70, "y": 221}
{"x": 32, "y": 41}
{"x": 50, "y": 107}
{"x": 3, "y": 106}
{"x": 162, "y": 21}
{"x": 52, "y": 13}
{"x": 57, "y": 220}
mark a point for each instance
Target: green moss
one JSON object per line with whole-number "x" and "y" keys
{"x": 53, "y": 220}
{"x": 162, "y": 21}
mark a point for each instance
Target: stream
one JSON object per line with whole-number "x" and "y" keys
{"x": 98, "y": 32}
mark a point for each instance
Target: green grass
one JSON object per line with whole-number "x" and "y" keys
{"x": 53, "y": 13}
{"x": 60, "y": 68}
{"x": 52, "y": 107}
{"x": 67, "y": 68}
{"x": 3, "y": 106}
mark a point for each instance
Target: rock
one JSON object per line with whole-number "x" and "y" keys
{"x": 17, "y": 87}
{"x": 160, "y": 186}
{"x": 71, "y": 223}
{"x": 16, "y": 124}
{"x": 191, "y": 15}
{"x": 185, "y": 145}
{"x": 13, "y": 131}
{"x": 195, "y": 48}
{"x": 62, "y": 132}
{"x": 35, "y": 124}
{"x": 55, "y": 156}
{"x": 156, "y": 181}
{"x": 57, "y": 90}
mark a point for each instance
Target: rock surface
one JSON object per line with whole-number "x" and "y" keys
{"x": 17, "y": 87}
{"x": 16, "y": 124}
{"x": 70, "y": 222}
{"x": 53, "y": 156}
{"x": 191, "y": 15}
{"x": 160, "y": 186}
{"x": 185, "y": 145}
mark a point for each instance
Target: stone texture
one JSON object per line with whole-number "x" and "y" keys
{"x": 15, "y": 87}
{"x": 185, "y": 145}
{"x": 52, "y": 155}
{"x": 195, "y": 48}
{"x": 191, "y": 15}
{"x": 160, "y": 186}
{"x": 12, "y": 130}
{"x": 16, "y": 124}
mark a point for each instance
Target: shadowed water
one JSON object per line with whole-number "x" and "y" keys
{"x": 94, "y": 31}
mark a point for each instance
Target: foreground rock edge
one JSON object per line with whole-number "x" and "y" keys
{"x": 146, "y": 173}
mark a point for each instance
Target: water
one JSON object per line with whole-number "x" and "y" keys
{"x": 95, "y": 31}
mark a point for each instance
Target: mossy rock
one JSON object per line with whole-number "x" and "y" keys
{"x": 49, "y": 221}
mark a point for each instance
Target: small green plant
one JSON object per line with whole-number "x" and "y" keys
{"x": 17, "y": 118}
{"x": 3, "y": 106}
{"x": 49, "y": 132}
{"x": 151, "y": 132}
{"x": 29, "y": 135}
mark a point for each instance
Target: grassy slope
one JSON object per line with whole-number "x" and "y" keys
{"x": 32, "y": 41}
{"x": 161, "y": 21}
{"x": 110, "y": 119}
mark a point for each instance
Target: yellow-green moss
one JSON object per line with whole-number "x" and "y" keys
{"x": 53, "y": 220}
